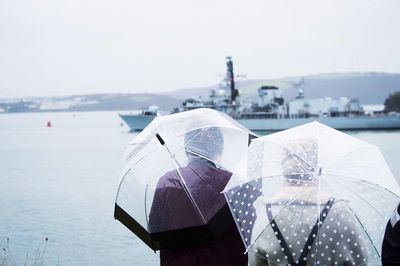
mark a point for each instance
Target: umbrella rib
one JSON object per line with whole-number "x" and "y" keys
{"x": 298, "y": 219}
{"x": 292, "y": 153}
{"x": 355, "y": 214}
{"x": 184, "y": 185}
{"x": 122, "y": 180}
{"x": 361, "y": 181}
{"x": 350, "y": 153}
{"x": 131, "y": 154}
{"x": 145, "y": 195}
{"x": 319, "y": 196}
{"x": 206, "y": 158}
{"x": 138, "y": 161}
{"x": 145, "y": 206}
{"x": 361, "y": 197}
{"x": 247, "y": 181}
{"x": 284, "y": 207}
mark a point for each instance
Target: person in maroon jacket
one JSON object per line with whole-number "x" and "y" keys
{"x": 173, "y": 205}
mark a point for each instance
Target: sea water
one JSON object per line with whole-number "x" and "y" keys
{"x": 60, "y": 183}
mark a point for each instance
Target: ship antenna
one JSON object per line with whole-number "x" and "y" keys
{"x": 230, "y": 79}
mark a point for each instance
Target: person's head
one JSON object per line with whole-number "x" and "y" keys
{"x": 205, "y": 142}
{"x": 300, "y": 161}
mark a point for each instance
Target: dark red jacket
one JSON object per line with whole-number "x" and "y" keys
{"x": 173, "y": 209}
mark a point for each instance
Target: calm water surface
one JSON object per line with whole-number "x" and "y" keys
{"x": 60, "y": 183}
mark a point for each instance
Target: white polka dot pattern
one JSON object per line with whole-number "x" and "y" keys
{"x": 293, "y": 176}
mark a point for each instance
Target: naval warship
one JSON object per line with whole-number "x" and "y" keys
{"x": 272, "y": 113}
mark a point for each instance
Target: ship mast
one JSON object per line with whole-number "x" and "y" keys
{"x": 230, "y": 80}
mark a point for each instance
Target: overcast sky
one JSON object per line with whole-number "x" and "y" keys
{"x": 62, "y": 47}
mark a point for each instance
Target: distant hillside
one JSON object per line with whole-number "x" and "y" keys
{"x": 90, "y": 102}
{"x": 370, "y": 88}
{"x": 126, "y": 102}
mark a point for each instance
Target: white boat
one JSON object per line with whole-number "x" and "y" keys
{"x": 138, "y": 121}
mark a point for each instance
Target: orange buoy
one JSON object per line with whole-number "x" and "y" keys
{"x": 48, "y": 123}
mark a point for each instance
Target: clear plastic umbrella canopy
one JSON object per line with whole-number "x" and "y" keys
{"x": 312, "y": 195}
{"x": 175, "y": 170}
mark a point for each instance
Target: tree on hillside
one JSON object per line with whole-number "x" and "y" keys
{"x": 392, "y": 103}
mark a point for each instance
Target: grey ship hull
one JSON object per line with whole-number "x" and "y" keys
{"x": 139, "y": 122}
{"x": 340, "y": 123}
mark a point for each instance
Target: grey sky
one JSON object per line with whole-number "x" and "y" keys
{"x": 61, "y": 47}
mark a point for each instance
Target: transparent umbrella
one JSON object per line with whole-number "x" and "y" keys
{"x": 175, "y": 169}
{"x": 317, "y": 197}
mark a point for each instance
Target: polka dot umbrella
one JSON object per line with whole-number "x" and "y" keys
{"x": 169, "y": 193}
{"x": 312, "y": 195}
